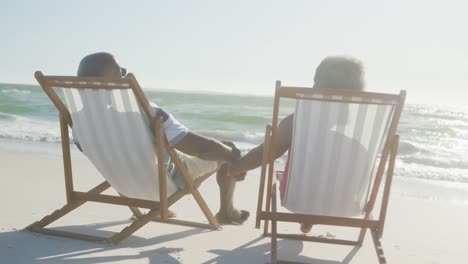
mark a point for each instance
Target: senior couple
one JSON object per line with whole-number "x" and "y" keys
{"x": 202, "y": 154}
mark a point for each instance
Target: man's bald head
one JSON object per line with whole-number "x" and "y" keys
{"x": 101, "y": 64}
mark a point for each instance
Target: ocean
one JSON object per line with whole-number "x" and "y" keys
{"x": 434, "y": 138}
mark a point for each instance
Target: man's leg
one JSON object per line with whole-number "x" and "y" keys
{"x": 228, "y": 214}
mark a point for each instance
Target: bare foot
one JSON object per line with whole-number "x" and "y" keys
{"x": 170, "y": 214}
{"x": 305, "y": 228}
{"x": 236, "y": 217}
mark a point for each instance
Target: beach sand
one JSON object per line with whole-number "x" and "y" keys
{"x": 426, "y": 223}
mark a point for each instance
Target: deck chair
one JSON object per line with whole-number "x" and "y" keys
{"x": 342, "y": 142}
{"x": 113, "y": 121}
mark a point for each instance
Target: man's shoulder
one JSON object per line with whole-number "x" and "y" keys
{"x": 160, "y": 112}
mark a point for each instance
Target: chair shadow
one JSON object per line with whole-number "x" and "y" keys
{"x": 57, "y": 250}
{"x": 14, "y": 244}
{"x": 261, "y": 253}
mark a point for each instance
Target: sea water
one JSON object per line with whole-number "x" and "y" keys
{"x": 433, "y": 138}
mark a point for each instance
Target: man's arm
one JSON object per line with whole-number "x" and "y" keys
{"x": 253, "y": 159}
{"x": 194, "y": 144}
{"x": 207, "y": 148}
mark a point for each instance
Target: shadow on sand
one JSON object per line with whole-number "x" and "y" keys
{"x": 288, "y": 249}
{"x": 22, "y": 246}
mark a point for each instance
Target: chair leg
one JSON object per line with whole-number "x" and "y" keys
{"x": 135, "y": 210}
{"x": 190, "y": 186}
{"x": 137, "y": 224}
{"x": 267, "y": 209}
{"x": 134, "y": 226}
{"x": 260, "y": 197}
{"x": 204, "y": 207}
{"x": 362, "y": 235}
{"x": 274, "y": 245}
{"x": 378, "y": 246}
{"x": 261, "y": 191}
{"x": 48, "y": 219}
{"x": 67, "y": 208}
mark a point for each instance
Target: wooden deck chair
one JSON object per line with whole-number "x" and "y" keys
{"x": 342, "y": 141}
{"x": 112, "y": 119}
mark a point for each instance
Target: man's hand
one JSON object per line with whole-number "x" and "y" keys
{"x": 208, "y": 148}
{"x": 236, "y": 155}
{"x": 235, "y": 152}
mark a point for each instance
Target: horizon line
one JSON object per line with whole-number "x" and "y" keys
{"x": 207, "y": 92}
{"x": 176, "y": 90}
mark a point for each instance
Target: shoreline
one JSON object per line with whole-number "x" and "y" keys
{"x": 54, "y": 148}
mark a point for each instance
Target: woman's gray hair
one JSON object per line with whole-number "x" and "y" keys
{"x": 339, "y": 72}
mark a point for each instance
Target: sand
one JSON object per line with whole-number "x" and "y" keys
{"x": 426, "y": 223}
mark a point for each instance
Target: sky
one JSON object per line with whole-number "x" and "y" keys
{"x": 243, "y": 46}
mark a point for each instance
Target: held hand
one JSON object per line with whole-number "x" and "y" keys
{"x": 235, "y": 152}
{"x": 235, "y": 155}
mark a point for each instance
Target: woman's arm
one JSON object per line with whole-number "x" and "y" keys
{"x": 253, "y": 159}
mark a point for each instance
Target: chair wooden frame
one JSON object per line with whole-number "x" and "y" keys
{"x": 158, "y": 211}
{"x": 269, "y": 213}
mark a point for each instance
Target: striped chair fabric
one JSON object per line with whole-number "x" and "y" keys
{"x": 114, "y": 134}
{"x": 333, "y": 154}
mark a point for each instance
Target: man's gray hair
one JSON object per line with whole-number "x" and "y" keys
{"x": 339, "y": 72}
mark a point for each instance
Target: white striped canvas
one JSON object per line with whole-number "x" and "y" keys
{"x": 114, "y": 134}
{"x": 334, "y": 149}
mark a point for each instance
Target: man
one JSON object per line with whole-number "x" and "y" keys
{"x": 333, "y": 73}
{"x": 199, "y": 154}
